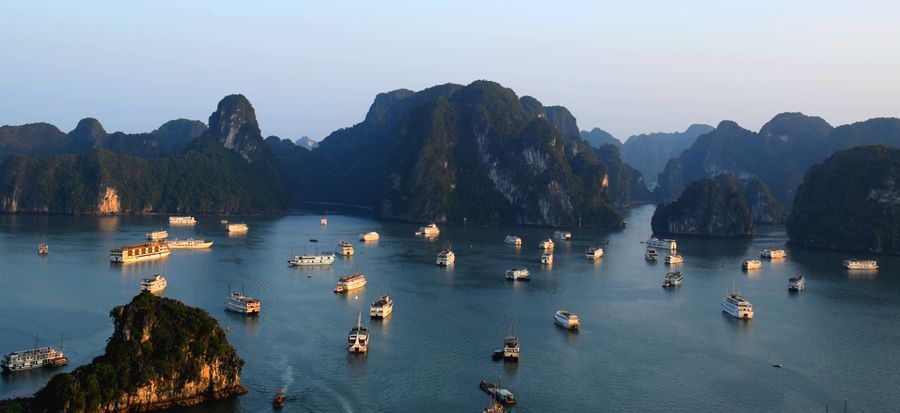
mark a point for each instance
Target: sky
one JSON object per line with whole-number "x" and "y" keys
{"x": 310, "y": 68}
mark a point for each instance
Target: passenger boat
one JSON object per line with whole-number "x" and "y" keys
{"x": 139, "y": 252}
{"x": 182, "y": 221}
{"x": 663, "y": 244}
{"x": 157, "y": 235}
{"x": 445, "y": 258}
{"x": 35, "y": 358}
{"x": 503, "y": 395}
{"x": 43, "y": 249}
{"x": 562, "y": 235}
{"x": 566, "y": 320}
{"x": 593, "y": 253}
{"x": 517, "y": 274}
{"x": 430, "y": 230}
{"x": 238, "y": 228}
{"x": 154, "y": 284}
{"x": 322, "y": 258}
{"x": 674, "y": 259}
{"x": 651, "y": 254}
{"x": 547, "y": 258}
{"x": 324, "y": 221}
{"x": 511, "y": 346}
{"x": 223, "y": 222}
{"x": 772, "y": 253}
{"x": 189, "y": 244}
{"x": 350, "y": 282}
{"x": 513, "y": 240}
{"x": 546, "y": 244}
{"x": 241, "y": 303}
{"x": 369, "y": 237}
{"x": 860, "y": 264}
{"x": 750, "y": 264}
{"x": 344, "y": 248}
{"x": 382, "y": 307}
{"x": 358, "y": 339}
{"x": 737, "y": 306}
{"x": 673, "y": 279}
{"x": 797, "y": 284}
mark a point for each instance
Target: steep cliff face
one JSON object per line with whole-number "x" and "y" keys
{"x": 234, "y": 125}
{"x": 162, "y": 354}
{"x": 707, "y": 207}
{"x": 764, "y": 208}
{"x": 626, "y": 184}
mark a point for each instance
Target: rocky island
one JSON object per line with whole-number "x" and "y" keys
{"x": 708, "y": 207}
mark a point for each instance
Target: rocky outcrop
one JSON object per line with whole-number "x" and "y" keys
{"x": 764, "y": 208}
{"x": 234, "y": 125}
{"x": 109, "y": 202}
{"x": 707, "y": 207}
{"x": 89, "y": 133}
{"x": 598, "y": 137}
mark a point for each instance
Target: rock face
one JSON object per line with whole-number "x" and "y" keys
{"x": 162, "y": 354}
{"x": 707, "y": 207}
{"x": 626, "y": 184}
{"x": 306, "y": 142}
{"x": 234, "y": 125}
{"x": 764, "y": 208}
{"x": 850, "y": 202}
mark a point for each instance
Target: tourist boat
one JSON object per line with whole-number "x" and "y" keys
{"x": 43, "y": 249}
{"x": 511, "y": 346}
{"x": 139, "y": 252}
{"x": 566, "y": 320}
{"x": 241, "y": 303}
{"x": 35, "y": 358}
{"x": 322, "y": 258}
{"x": 430, "y": 230}
{"x": 547, "y": 258}
{"x": 517, "y": 274}
{"x": 157, "y": 235}
{"x": 861, "y": 264}
{"x": 593, "y": 253}
{"x": 182, "y": 221}
{"x": 369, "y": 237}
{"x": 674, "y": 259}
{"x": 562, "y": 235}
{"x": 663, "y": 244}
{"x": 382, "y": 307}
{"x": 350, "y": 282}
{"x": 797, "y": 284}
{"x": 750, "y": 264}
{"x": 445, "y": 258}
{"x": 546, "y": 244}
{"x": 238, "y": 228}
{"x": 223, "y": 222}
{"x": 344, "y": 248}
{"x": 358, "y": 340}
{"x": 673, "y": 279}
{"x": 772, "y": 253}
{"x": 189, "y": 244}
{"x": 651, "y": 254}
{"x": 503, "y": 395}
{"x": 154, "y": 284}
{"x": 737, "y": 306}
{"x": 513, "y": 240}
{"x": 324, "y": 221}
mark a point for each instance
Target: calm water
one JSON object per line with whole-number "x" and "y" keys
{"x": 641, "y": 348}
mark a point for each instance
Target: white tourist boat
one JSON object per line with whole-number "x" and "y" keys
{"x": 430, "y": 231}
{"x": 772, "y": 253}
{"x": 651, "y": 254}
{"x": 546, "y": 244}
{"x": 562, "y": 235}
{"x": 154, "y": 284}
{"x": 518, "y": 274}
{"x": 751, "y": 264}
{"x": 157, "y": 235}
{"x": 189, "y": 244}
{"x": 547, "y": 258}
{"x": 236, "y": 228}
{"x": 324, "y": 221}
{"x": 513, "y": 240}
{"x": 369, "y": 236}
{"x": 382, "y": 307}
{"x": 663, "y": 244}
{"x": 566, "y": 320}
{"x": 182, "y": 220}
{"x": 673, "y": 279}
{"x": 344, "y": 248}
{"x": 321, "y": 258}
{"x": 35, "y": 358}
{"x": 240, "y": 303}
{"x": 593, "y": 253}
{"x": 358, "y": 339}
{"x": 350, "y": 282}
{"x": 445, "y": 258}
{"x": 674, "y": 259}
{"x": 737, "y": 306}
{"x": 797, "y": 283}
{"x": 860, "y": 264}
{"x": 511, "y": 346}
{"x": 43, "y": 249}
{"x": 139, "y": 252}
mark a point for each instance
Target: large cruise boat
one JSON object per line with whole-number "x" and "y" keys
{"x": 562, "y": 235}
{"x": 797, "y": 283}
{"x": 189, "y": 244}
{"x": 369, "y": 236}
{"x": 663, "y": 244}
{"x": 513, "y": 240}
{"x": 241, "y": 303}
{"x": 673, "y": 279}
{"x": 772, "y": 253}
{"x": 344, "y": 248}
{"x": 154, "y": 284}
{"x": 737, "y": 306}
{"x": 546, "y": 244}
{"x": 430, "y": 230}
{"x": 566, "y": 320}
{"x": 593, "y": 253}
{"x": 182, "y": 221}
{"x": 358, "y": 339}
{"x": 139, "y": 252}
{"x": 322, "y": 258}
{"x": 350, "y": 282}
{"x": 547, "y": 258}
{"x": 674, "y": 259}
{"x": 382, "y": 307}
{"x": 860, "y": 264}
{"x": 517, "y": 274}
{"x": 237, "y": 228}
{"x": 445, "y": 258}
{"x": 751, "y": 264}
{"x": 157, "y": 235}
{"x": 33, "y": 359}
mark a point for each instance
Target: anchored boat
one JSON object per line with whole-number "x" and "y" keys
{"x": 322, "y": 258}
{"x": 350, "y": 282}
{"x": 358, "y": 340}
{"x": 566, "y": 320}
{"x": 189, "y": 244}
{"x": 139, "y": 252}
{"x": 154, "y": 284}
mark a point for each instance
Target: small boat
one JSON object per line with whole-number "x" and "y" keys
{"x": 190, "y": 244}
{"x": 323, "y": 222}
{"x": 663, "y": 244}
{"x": 238, "y": 228}
{"x": 772, "y": 253}
{"x": 369, "y": 237}
{"x": 673, "y": 279}
{"x": 154, "y": 284}
{"x": 279, "y": 399}
{"x": 223, "y": 222}
{"x": 43, "y": 249}
{"x": 751, "y": 264}
{"x": 344, "y": 248}
{"x": 497, "y": 355}
{"x": 518, "y": 274}
{"x": 157, "y": 235}
{"x": 322, "y": 258}
{"x": 182, "y": 220}
{"x": 503, "y": 395}
{"x": 797, "y": 284}
{"x": 860, "y": 264}
{"x": 240, "y": 303}
{"x": 777, "y": 365}
{"x": 430, "y": 231}
{"x": 674, "y": 259}
{"x": 382, "y": 307}
{"x": 350, "y": 282}
{"x": 313, "y": 240}
{"x": 511, "y": 346}
{"x": 651, "y": 255}
{"x": 566, "y": 320}
{"x": 513, "y": 240}
{"x": 593, "y": 253}
{"x": 546, "y": 244}
{"x": 562, "y": 235}
{"x": 547, "y": 258}
{"x": 358, "y": 339}
{"x": 445, "y": 258}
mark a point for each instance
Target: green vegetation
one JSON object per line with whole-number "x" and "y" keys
{"x": 708, "y": 207}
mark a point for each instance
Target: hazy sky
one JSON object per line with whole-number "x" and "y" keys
{"x": 310, "y": 68}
